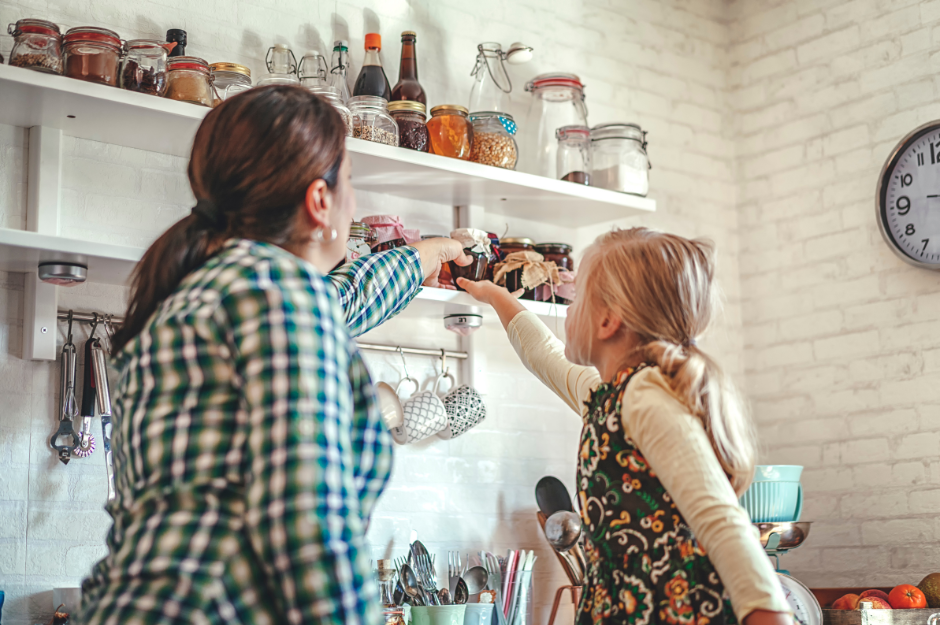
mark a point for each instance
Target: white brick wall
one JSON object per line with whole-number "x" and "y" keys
{"x": 661, "y": 63}
{"x": 838, "y": 332}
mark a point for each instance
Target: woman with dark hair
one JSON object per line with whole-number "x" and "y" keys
{"x": 248, "y": 447}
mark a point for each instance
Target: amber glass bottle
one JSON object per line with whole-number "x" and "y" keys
{"x": 408, "y": 87}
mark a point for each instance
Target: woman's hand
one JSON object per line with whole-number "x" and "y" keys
{"x": 505, "y": 304}
{"x": 434, "y": 253}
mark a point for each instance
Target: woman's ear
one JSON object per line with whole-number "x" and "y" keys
{"x": 609, "y": 325}
{"x": 317, "y": 203}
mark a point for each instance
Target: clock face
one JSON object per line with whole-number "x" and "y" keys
{"x": 909, "y": 198}
{"x": 802, "y": 601}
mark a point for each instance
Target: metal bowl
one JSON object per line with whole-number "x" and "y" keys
{"x": 791, "y": 535}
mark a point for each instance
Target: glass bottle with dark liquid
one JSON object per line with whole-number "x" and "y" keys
{"x": 408, "y": 87}
{"x": 372, "y": 80}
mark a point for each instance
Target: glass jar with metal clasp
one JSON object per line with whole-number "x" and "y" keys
{"x": 557, "y": 101}
{"x": 490, "y": 79}
{"x": 37, "y": 44}
{"x": 619, "y": 158}
{"x": 282, "y": 66}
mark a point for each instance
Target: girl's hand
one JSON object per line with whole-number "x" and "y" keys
{"x": 502, "y": 301}
{"x": 434, "y": 253}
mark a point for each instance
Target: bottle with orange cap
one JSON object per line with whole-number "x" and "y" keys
{"x": 372, "y": 80}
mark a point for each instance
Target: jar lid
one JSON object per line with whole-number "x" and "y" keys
{"x": 503, "y": 118}
{"x": 564, "y": 248}
{"x": 192, "y": 63}
{"x": 449, "y": 109}
{"x": 373, "y": 40}
{"x": 555, "y": 79}
{"x": 34, "y": 27}
{"x": 573, "y": 132}
{"x": 92, "y": 34}
{"x": 144, "y": 44}
{"x": 407, "y": 105}
{"x": 618, "y": 131}
{"x": 231, "y": 67}
{"x": 357, "y": 228}
{"x": 516, "y": 241}
{"x": 368, "y": 100}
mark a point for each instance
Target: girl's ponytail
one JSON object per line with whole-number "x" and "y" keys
{"x": 661, "y": 286}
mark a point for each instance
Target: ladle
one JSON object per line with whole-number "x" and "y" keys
{"x": 410, "y": 583}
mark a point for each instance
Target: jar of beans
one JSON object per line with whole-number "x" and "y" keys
{"x": 450, "y": 131}
{"x": 144, "y": 67}
{"x": 37, "y": 44}
{"x": 410, "y": 117}
{"x": 92, "y": 54}
{"x": 493, "y": 139}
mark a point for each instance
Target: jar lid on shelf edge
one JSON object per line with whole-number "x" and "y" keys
{"x": 407, "y": 105}
{"x": 555, "y": 79}
{"x": 33, "y": 26}
{"x": 449, "y": 109}
{"x": 87, "y": 34}
{"x": 230, "y": 67}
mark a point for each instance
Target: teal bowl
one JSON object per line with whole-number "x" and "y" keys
{"x": 775, "y": 495}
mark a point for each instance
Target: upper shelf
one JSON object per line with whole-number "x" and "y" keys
{"x": 22, "y": 251}
{"x": 110, "y": 115}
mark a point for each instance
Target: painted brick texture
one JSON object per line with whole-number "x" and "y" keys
{"x": 839, "y": 334}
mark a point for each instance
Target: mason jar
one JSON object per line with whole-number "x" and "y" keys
{"x": 412, "y": 130}
{"x": 371, "y": 120}
{"x": 620, "y": 162}
{"x": 37, "y": 44}
{"x": 360, "y": 241}
{"x": 493, "y": 142}
{"x": 229, "y": 79}
{"x": 92, "y": 54}
{"x": 188, "y": 80}
{"x": 329, "y": 94}
{"x": 574, "y": 154}
{"x": 144, "y": 68}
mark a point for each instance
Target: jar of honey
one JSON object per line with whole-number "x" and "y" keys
{"x": 450, "y": 131}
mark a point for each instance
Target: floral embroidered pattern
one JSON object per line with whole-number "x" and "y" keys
{"x": 644, "y": 565}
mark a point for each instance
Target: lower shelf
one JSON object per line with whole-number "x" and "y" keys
{"x": 22, "y": 251}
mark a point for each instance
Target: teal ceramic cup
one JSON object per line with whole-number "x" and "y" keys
{"x": 438, "y": 615}
{"x": 479, "y": 614}
{"x": 775, "y": 495}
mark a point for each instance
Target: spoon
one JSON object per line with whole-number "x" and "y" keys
{"x": 443, "y": 596}
{"x": 474, "y": 579}
{"x": 552, "y": 496}
{"x": 461, "y": 592}
{"x": 410, "y": 583}
{"x": 563, "y": 529}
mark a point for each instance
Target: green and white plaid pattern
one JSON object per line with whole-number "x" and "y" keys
{"x": 248, "y": 447}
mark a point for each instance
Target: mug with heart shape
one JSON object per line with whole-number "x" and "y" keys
{"x": 424, "y": 413}
{"x": 393, "y": 413}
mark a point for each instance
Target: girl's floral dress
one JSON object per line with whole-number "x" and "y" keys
{"x": 644, "y": 564}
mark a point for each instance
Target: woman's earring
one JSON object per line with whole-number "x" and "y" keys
{"x": 319, "y": 237}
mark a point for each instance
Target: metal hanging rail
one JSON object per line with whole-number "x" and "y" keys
{"x": 86, "y": 317}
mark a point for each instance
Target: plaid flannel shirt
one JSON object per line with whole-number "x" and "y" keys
{"x": 248, "y": 447}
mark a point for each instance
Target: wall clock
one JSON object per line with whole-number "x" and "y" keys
{"x": 908, "y": 198}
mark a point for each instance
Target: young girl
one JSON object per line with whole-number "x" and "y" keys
{"x": 666, "y": 448}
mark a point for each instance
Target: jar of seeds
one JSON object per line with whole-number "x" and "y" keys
{"x": 493, "y": 139}
{"x": 371, "y": 120}
{"x": 37, "y": 44}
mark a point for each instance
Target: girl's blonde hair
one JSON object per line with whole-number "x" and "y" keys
{"x": 661, "y": 287}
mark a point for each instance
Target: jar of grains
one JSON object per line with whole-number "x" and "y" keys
{"x": 410, "y": 117}
{"x": 188, "y": 80}
{"x": 493, "y": 142}
{"x": 329, "y": 94}
{"x": 144, "y": 68}
{"x": 92, "y": 54}
{"x": 371, "y": 120}
{"x": 229, "y": 79}
{"x": 450, "y": 131}
{"x": 37, "y": 44}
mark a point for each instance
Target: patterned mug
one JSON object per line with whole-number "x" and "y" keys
{"x": 393, "y": 413}
{"x": 425, "y": 414}
{"x": 465, "y": 410}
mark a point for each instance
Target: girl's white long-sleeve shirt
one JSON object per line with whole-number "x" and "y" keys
{"x": 675, "y": 444}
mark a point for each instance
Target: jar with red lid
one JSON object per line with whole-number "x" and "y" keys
{"x": 557, "y": 101}
{"x": 92, "y": 54}
{"x": 37, "y": 44}
{"x": 144, "y": 68}
{"x": 188, "y": 80}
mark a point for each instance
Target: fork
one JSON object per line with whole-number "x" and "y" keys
{"x": 454, "y": 570}
{"x": 426, "y": 579}
{"x": 492, "y": 569}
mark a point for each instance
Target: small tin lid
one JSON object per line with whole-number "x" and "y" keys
{"x": 407, "y": 105}
{"x": 449, "y": 109}
{"x": 231, "y": 67}
{"x": 554, "y": 79}
{"x": 88, "y": 34}
{"x": 516, "y": 241}
{"x": 192, "y": 63}
{"x": 559, "y": 248}
{"x": 34, "y": 27}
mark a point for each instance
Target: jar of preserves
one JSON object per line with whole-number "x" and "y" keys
{"x": 511, "y": 245}
{"x": 450, "y": 131}
{"x": 188, "y": 80}
{"x": 229, "y": 79}
{"x": 360, "y": 241}
{"x": 620, "y": 162}
{"x": 560, "y": 254}
{"x": 493, "y": 142}
{"x": 329, "y": 94}
{"x": 92, "y": 54}
{"x": 574, "y": 154}
{"x": 557, "y": 101}
{"x": 144, "y": 68}
{"x": 371, "y": 120}
{"x": 410, "y": 117}
{"x": 37, "y": 44}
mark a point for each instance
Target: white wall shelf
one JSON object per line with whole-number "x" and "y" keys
{"x": 110, "y": 115}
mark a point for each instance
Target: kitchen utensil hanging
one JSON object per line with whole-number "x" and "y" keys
{"x": 65, "y": 440}
{"x": 103, "y": 399}
{"x": 86, "y": 445}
